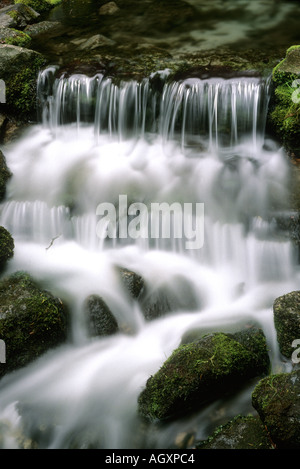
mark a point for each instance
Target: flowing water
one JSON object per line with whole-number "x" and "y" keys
{"x": 196, "y": 142}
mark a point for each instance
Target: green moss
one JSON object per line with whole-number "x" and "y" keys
{"x": 242, "y": 432}
{"x": 21, "y": 88}
{"x": 40, "y": 6}
{"x": 284, "y": 113}
{"x": 19, "y": 38}
{"x": 13, "y": 14}
{"x": 31, "y": 320}
{"x": 199, "y": 371}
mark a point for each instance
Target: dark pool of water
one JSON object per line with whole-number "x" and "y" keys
{"x": 172, "y": 27}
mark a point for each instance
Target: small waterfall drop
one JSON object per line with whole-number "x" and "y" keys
{"x": 194, "y": 149}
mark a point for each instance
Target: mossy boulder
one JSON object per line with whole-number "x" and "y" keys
{"x": 277, "y": 401}
{"x": 19, "y": 69}
{"x": 285, "y": 102}
{"x": 242, "y": 432}
{"x": 6, "y": 247}
{"x": 41, "y": 6}
{"x": 100, "y": 319}
{"x": 286, "y": 310}
{"x": 204, "y": 370}
{"x": 5, "y": 175}
{"x": 32, "y": 321}
{"x": 17, "y": 16}
{"x": 14, "y": 37}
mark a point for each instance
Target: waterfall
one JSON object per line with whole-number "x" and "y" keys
{"x": 217, "y": 112}
{"x": 171, "y": 180}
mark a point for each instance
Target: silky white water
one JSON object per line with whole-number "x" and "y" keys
{"x": 195, "y": 142}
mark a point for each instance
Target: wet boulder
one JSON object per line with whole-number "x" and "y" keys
{"x": 204, "y": 370}
{"x": 6, "y": 247}
{"x": 286, "y": 310}
{"x": 242, "y": 432}
{"x": 100, "y": 319}
{"x": 276, "y": 399}
{"x": 132, "y": 282}
{"x": 32, "y": 321}
{"x": 5, "y": 175}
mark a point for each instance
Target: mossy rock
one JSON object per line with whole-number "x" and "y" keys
{"x": 6, "y": 247}
{"x": 286, "y": 310}
{"x": 40, "y": 6}
{"x": 284, "y": 116}
{"x": 14, "y": 37}
{"x": 5, "y": 175}
{"x": 242, "y": 432}
{"x": 277, "y": 401}
{"x": 19, "y": 70}
{"x": 32, "y": 321}
{"x": 202, "y": 371}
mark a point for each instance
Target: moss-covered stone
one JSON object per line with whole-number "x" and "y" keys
{"x": 277, "y": 401}
{"x": 201, "y": 371}
{"x": 41, "y": 6}
{"x": 19, "y": 69}
{"x": 14, "y": 37}
{"x": 286, "y": 310}
{"x": 5, "y": 175}
{"x": 285, "y": 102}
{"x": 243, "y": 432}
{"x": 31, "y": 321}
{"x": 17, "y": 16}
{"x": 6, "y": 247}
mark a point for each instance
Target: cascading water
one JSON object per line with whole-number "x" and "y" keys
{"x": 187, "y": 142}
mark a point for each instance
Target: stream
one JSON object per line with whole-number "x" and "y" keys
{"x": 197, "y": 143}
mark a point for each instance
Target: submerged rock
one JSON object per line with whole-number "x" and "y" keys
{"x": 32, "y": 321}
{"x": 276, "y": 399}
{"x": 203, "y": 370}
{"x": 109, "y": 8}
{"x": 287, "y": 321}
{"x": 240, "y": 433}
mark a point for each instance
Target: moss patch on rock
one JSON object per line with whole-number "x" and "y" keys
{"x": 285, "y": 102}
{"x": 276, "y": 399}
{"x": 242, "y": 432}
{"x": 41, "y": 6}
{"x": 32, "y": 320}
{"x": 6, "y": 247}
{"x": 198, "y": 372}
{"x": 5, "y": 175}
{"x": 286, "y": 310}
{"x": 19, "y": 69}
{"x": 14, "y": 37}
